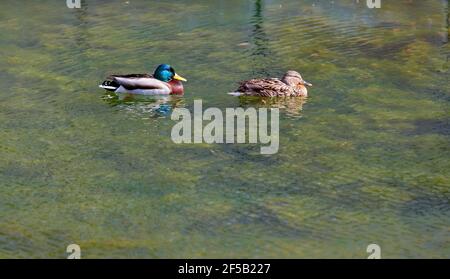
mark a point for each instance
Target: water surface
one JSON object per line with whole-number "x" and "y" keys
{"x": 365, "y": 159}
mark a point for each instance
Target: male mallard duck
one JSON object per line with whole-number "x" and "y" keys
{"x": 163, "y": 82}
{"x": 290, "y": 85}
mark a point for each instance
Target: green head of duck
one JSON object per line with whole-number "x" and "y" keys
{"x": 166, "y": 73}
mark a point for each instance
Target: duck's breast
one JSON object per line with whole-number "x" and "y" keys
{"x": 300, "y": 91}
{"x": 176, "y": 87}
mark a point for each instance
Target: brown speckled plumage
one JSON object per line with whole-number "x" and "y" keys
{"x": 291, "y": 85}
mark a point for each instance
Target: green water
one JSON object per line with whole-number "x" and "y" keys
{"x": 366, "y": 159}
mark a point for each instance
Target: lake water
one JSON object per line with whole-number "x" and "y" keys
{"x": 365, "y": 159}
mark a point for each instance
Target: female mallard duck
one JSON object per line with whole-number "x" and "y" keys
{"x": 163, "y": 82}
{"x": 290, "y": 85}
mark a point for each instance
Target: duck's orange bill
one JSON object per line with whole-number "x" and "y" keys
{"x": 177, "y": 77}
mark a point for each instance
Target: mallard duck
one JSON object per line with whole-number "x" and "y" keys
{"x": 164, "y": 81}
{"x": 290, "y": 85}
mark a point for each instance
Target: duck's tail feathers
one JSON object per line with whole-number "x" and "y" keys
{"x": 237, "y": 94}
{"x": 109, "y": 85}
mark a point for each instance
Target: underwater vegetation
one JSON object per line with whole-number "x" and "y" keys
{"x": 365, "y": 159}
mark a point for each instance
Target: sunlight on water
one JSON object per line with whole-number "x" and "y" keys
{"x": 364, "y": 160}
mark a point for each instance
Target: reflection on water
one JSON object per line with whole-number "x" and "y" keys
{"x": 365, "y": 159}
{"x": 291, "y": 106}
{"x": 260, "y": 51}
{"x": 148, "y": 106}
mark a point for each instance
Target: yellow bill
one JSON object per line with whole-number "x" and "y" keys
{"x": 177, "y": 77}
